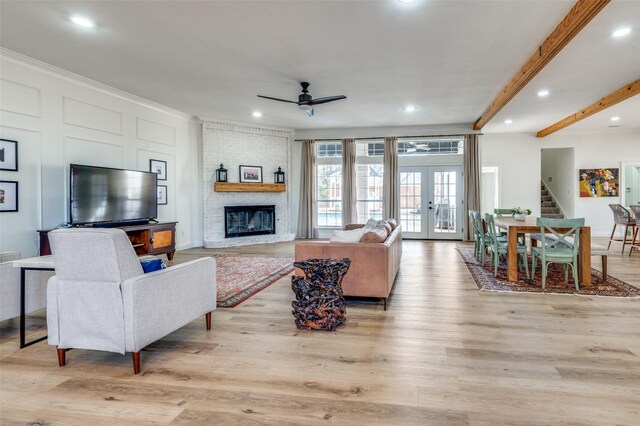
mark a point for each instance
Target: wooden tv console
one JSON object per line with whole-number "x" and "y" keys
{"x": 149, "y": 238}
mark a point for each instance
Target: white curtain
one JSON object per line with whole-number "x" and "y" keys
{"x": 348, "y": 181}
{"x": 472, "y": 172}
{"x": 390, "y": 186}
{"x": 307, "y": 209}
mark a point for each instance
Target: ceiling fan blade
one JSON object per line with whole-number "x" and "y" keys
{"x": 319, "y": 101}
{"x": 276, "y": 99}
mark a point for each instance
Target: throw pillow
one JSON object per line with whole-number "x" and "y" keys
{"x": 374, "y": 235}
{"x": 385, "y": 225}
{"x": 391, "y": 221}
{"x": 371, "y": 223}
{"x": 351, "y": 236}
{"x": 152, "y": 265}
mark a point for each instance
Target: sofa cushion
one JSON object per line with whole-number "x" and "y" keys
{"x": 391, "y": 221}
{"x": 377, "y": 234}
{"x": 371, "y": 223}
{"x": 351, "y": 236}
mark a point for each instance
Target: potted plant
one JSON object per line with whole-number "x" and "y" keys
{"x": 520, "y": 214}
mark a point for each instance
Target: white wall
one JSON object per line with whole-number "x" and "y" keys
{"x": 59, "y": 118}
{"x": 518, "y": 156}
{"x": 235, "y": 144}
{"x": 559, "y": 177}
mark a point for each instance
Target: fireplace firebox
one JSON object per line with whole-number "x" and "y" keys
{"x": 242, "y": 221}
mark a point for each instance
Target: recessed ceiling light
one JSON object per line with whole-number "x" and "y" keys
{"x": 621, "y": 32}
{"x": 508, "y": 121}
{"x": 257, "y": 114}
{"x": 409, "y": 108}
{"x": 615, "y": 118}
{"x": 543, "y": 93}
{"x": 82, "y": 21}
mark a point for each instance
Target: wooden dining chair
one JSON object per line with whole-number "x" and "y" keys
{"x": 558, "y": 248}
{"x": 622, "y": 217}
{"x": 636, "y": 232}
{"x": 499, "y": 246}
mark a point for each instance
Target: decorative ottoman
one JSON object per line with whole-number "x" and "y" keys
{"x": 319, "y": 303}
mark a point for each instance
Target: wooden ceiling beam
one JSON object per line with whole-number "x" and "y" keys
{"x": 577, "y": 18}
{"x": 619, "y": 95}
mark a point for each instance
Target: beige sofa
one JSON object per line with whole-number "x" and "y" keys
{"x": 374, "y": 266}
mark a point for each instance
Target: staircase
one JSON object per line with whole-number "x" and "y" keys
{"x": 548, "y": 206}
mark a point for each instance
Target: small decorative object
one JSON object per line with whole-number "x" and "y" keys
{"x": 221, "y": 174}
{"x": 599, "y": 182}
{"x": 278, "y": 177}
{"x": 158, "y": 167}
{"x": 162, "y": 195}
{"x": 8, "y": 155}
{"x": 8, "y": 196}
{"x": 251, "y": 174}
{"x": 520, "y": 214}
{"x": 319, "y": 303}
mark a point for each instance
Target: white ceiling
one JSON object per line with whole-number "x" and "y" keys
{"x": 449, "y": 58}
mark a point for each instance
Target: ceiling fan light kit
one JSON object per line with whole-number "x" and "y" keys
{"x": 305, "y": 100}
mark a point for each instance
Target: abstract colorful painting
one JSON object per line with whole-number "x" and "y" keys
{"x": 599, "y": 182}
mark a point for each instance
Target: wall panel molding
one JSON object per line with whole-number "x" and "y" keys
{"x": 150, "y": 131}
{"x": 90, "y": 116}
{"x": 20, "y": 98}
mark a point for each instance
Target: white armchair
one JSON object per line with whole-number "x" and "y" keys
{"x": 101, "y": 299}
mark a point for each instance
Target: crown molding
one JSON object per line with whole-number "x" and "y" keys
{"x": 53, "y": 71}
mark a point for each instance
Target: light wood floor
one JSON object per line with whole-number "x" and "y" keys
{"x": 443, "y": 353}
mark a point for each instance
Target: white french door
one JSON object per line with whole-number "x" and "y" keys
{"x": 431, "y": 202}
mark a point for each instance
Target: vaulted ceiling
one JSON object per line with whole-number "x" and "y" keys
{"x": 448, "y": 58}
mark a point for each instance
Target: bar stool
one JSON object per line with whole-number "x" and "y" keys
{"x": 634, "y": 245}
{"x": 622, "y": 217}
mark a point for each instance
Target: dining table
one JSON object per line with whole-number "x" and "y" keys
{"x": 514, "y": 227}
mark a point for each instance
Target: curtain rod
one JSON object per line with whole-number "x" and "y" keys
{"x": 382, "y": 137}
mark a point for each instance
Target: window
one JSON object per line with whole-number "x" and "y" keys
{"x": 369, "y": 172}
{"x": 329, "y": 184}
{"x": 490, "y": 184}
{"x": 430, "y": 146}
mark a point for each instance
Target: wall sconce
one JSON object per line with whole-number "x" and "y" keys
{"x": 278, "y": 177}
{"x": 221, "y": 174}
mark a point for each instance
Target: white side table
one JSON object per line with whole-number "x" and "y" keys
{"x": 41, "y": 263}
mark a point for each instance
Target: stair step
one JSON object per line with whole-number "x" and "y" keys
{"x": 550, "y": 210}
{"x": 552, "y": 216}
{"x": 544, "y": 193}
{"x": 546, "y": 198}
{"x": 548, "y": 204}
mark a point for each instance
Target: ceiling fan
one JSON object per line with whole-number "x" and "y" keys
{"x": 305, "y": 101}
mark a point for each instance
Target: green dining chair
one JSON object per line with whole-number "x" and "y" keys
{"x": 498, "y": 246}
{"x": 558, "y": 248}
{"x": 503, "y": 212}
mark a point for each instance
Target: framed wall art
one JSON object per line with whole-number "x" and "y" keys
{"x": 159, "y": 167}
{"x": 599, "y": 182}
{"x": 162, "y": 195}
{"x": 8, "y": 155}
{"x": 251, "y": 174}
{"x": 8, "y": 196}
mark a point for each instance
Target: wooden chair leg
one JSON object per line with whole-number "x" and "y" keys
{"x": 633, "y": 243}
{"x": 207, "y": 319}
{"x": 135, "y": 356}
{"x": 611, "y": 237}
{"x": 62, "y": 357}
{"x": 604, "y": 268}
{"x": 624, "y": 237}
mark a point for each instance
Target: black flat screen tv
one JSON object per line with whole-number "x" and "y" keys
{"x": 101, "y": 195}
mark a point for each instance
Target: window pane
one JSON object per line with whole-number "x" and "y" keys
{"x": 369, "y": 191}
{"x": 445, "y": 202}
{"x": 411, "y": 201}
{"x": 430, "y": 146}
{"x": 329, "y": 149}
{"x": 329, "y": 196}
{"x": 370, "y": 148}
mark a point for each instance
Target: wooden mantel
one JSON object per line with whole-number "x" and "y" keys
{"x": 249, "y": 187}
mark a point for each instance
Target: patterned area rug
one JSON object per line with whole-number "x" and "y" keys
{"x": 240, "y": 277}
{"x": 483, "y": 276}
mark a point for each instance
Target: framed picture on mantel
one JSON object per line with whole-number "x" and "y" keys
{"x": 251, "y": 174}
